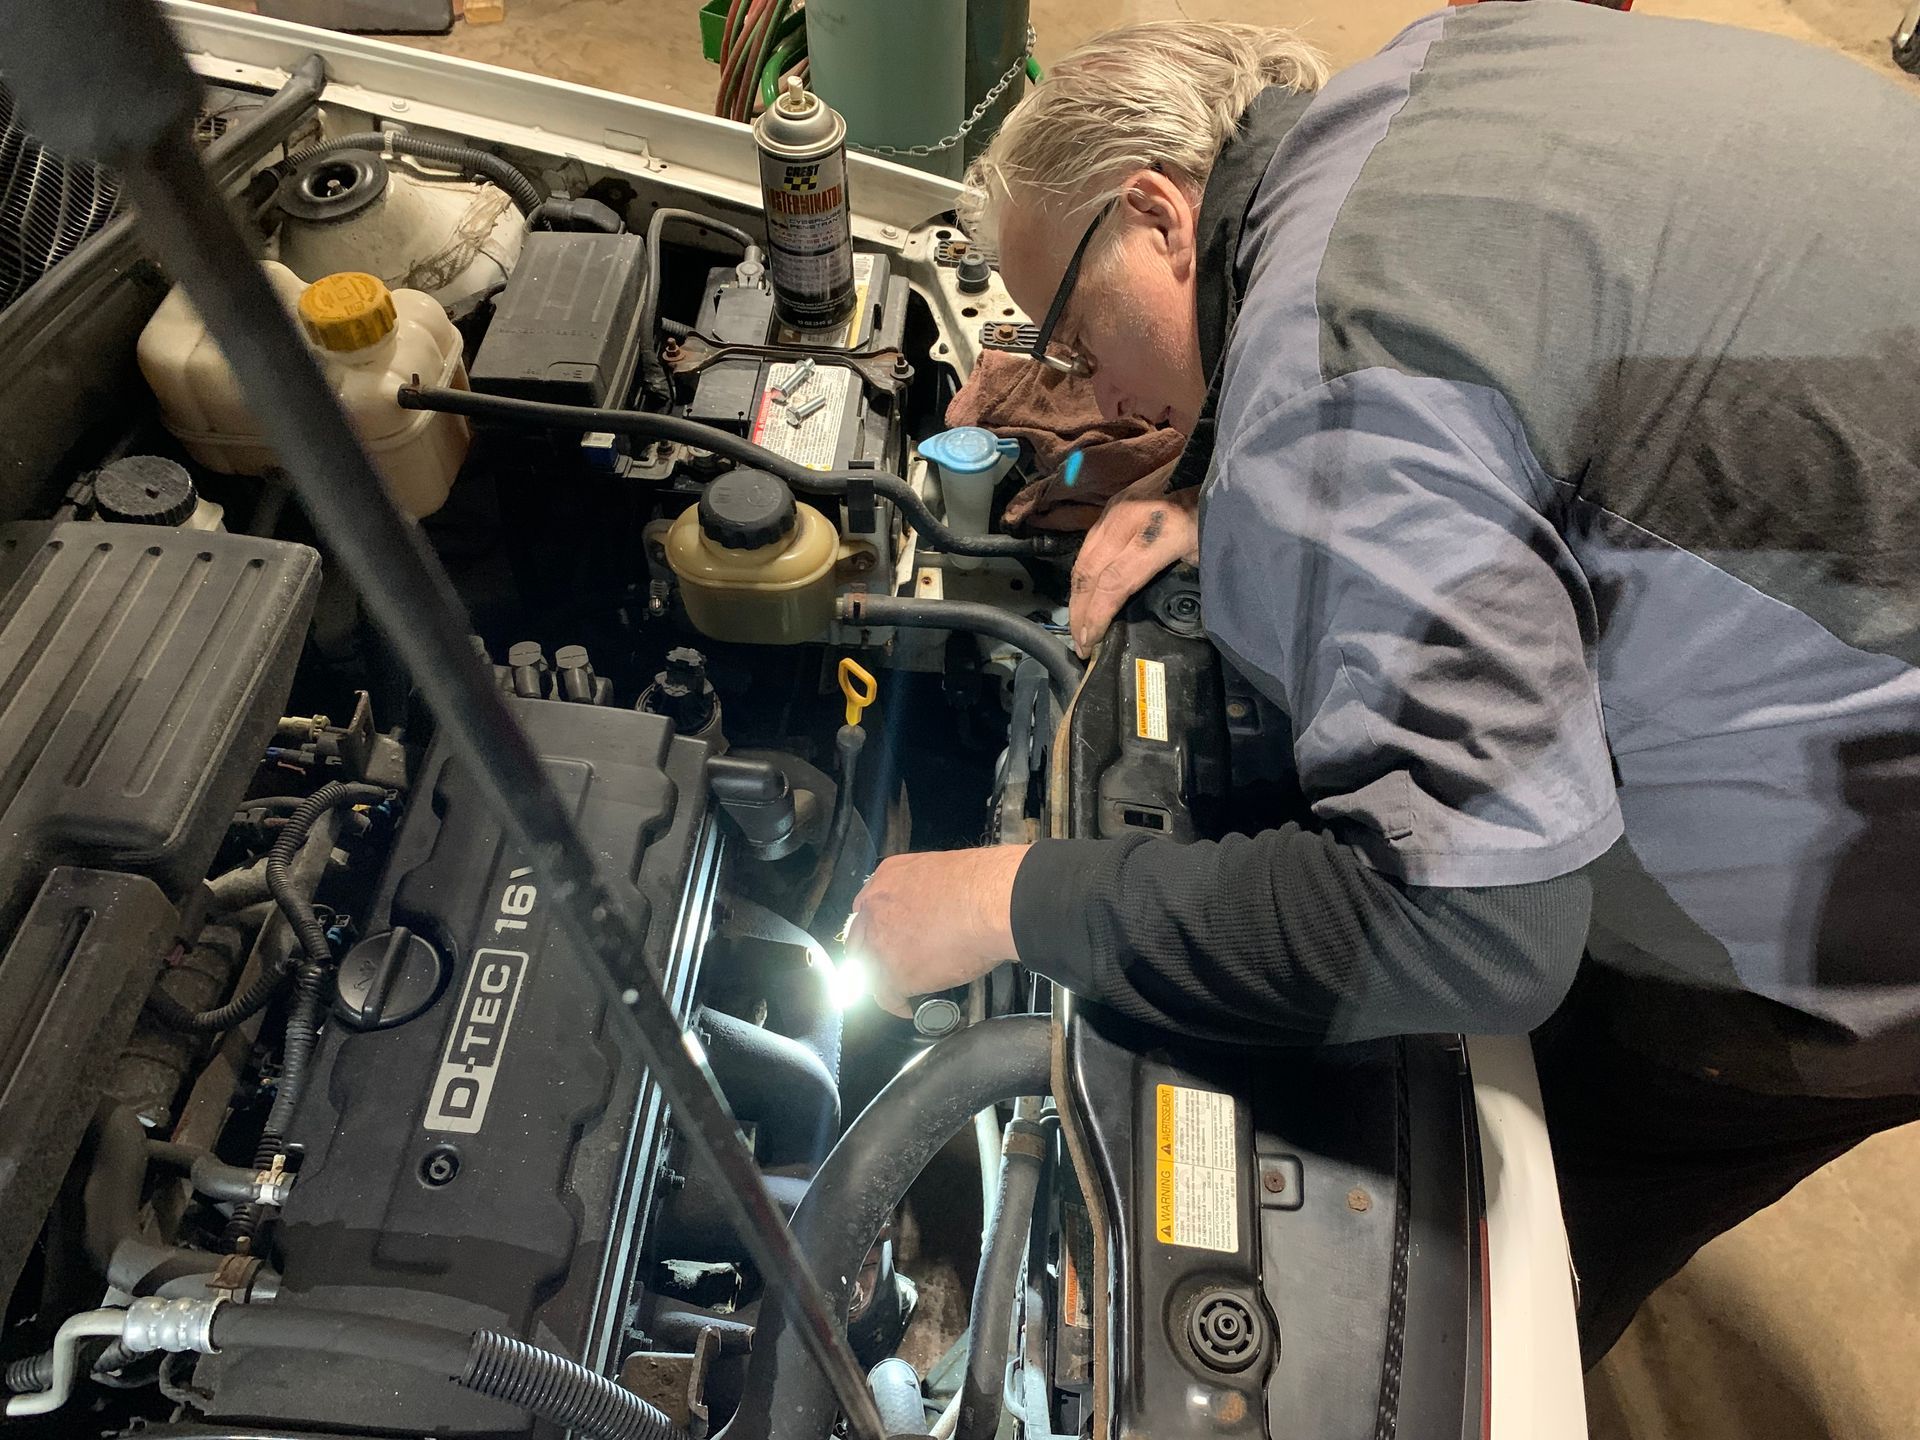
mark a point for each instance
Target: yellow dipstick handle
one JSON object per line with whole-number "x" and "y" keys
{"x": 860, "y": 688}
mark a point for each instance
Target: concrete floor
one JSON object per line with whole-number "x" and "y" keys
{"x": 1803, "y": 1324}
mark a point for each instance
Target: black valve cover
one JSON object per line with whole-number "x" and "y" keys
{"x": 486, "y": 1162}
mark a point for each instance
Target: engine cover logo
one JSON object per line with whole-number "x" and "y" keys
{"x": 479, "y": 1035}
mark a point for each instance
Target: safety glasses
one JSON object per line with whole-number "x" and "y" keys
{"x": 1069, "y": 362}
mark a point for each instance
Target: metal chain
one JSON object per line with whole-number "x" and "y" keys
{"x": 979, "y": 111}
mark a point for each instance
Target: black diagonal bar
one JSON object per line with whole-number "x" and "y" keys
{"x": 105, "y": 78}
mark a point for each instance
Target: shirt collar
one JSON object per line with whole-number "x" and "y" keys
{"x": 1235, "y": 178}
{"x": 1236, "y": 175}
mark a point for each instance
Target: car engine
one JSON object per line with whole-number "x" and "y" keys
{"x": 287, "y": 1019}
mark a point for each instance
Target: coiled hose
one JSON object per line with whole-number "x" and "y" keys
{"x": 35, "y": 1372}
{"x": 553, "y": 1387}
{"x": 526, "y": 195}
{"x": 310, "y": 984}
{"x": 652, "y": 425}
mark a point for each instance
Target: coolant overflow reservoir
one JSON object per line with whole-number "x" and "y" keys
{"x": 371, "y": 341}
{"x": 753, "y": 565}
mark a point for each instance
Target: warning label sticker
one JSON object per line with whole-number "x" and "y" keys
{"x": 1150, "y": 699}
{"x": 814, "y": 441}
{"x": 1195, "y": 1192}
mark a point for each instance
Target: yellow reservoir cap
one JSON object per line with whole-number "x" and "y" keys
{"x": 347, "y": 311}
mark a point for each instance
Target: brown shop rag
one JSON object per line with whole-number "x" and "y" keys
{"x": 1056, "y": 414}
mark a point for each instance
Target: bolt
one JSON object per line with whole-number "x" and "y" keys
{"x": 1359, "y": 1201}
{"x": 887, "y": 232}
{"x": 399, "y": 106}
{"x": 798, "y": 415}
{"x": 1184, "y": 607}
{"x": 1273, "y": 1182}
{"x": 787, "y": 389}
{"x": 1238, "y": 710}
{"x": 860, "y": 562}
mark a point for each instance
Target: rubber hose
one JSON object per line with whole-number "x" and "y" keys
{"x": 577, "y": 214}
{"x": 110, "y": 1207}
{"x": 896, "y": 1393}
{"x": 208, "y": 1174}
{"x": 833, "y": 855}
{"x": 776, "y": 1084}
{"x": 680, "y": 1330}
{"x": 859, "y": 1186}
{"x": 523, "y": 192}
{"x": 1063, "y": 667}
{"x": 692, "y": 1224}
{"x": 650, "y": 288}
{"x": 553, "y": 1387}
{"x": 998, "y": 1285}
{"x": 656, "y": 426}
{"x": 237, "y": 889}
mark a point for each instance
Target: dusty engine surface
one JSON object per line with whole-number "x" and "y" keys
{"x": 138, "y": 669}
{"x": 477, "y": 1148}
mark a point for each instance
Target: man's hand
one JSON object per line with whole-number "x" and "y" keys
{"x": 929, "y": 922}
{"x": 1143, "y": 531}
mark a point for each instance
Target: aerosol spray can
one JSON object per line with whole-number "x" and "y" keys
{"x": 803, "y": 184}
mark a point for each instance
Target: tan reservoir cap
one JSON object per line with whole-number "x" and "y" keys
{"x": 347, "y": 311}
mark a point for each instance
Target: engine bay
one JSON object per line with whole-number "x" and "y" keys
{"x": 287, "y": 1020}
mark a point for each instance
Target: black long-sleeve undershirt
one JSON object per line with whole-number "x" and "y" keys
{"x": 1287, "y": 937}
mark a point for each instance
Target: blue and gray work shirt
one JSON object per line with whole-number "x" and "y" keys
{"x": 1562, "y": 490}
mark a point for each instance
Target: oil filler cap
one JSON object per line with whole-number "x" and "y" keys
{"x": 746, "y": 509}
{"x": 387, "y": 979}
{"x": 145, "y": 490}
{"x": 347, "y": 311}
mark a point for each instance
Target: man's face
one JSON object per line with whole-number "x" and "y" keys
{"x": 1131, "y": 311}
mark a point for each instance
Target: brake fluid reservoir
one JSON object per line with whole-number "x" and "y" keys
{"x": 754, "y": 566}
{"x": 371, "y": 342}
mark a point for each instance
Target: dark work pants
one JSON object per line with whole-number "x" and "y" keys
{"x": 1655, "y": 1159}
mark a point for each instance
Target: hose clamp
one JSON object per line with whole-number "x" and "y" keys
{"x": 272, "y": 1185}
{"x": 173, "y": 1325}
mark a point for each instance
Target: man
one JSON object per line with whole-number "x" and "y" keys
{"x": 1554, "y": 467}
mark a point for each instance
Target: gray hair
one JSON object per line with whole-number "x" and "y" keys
{"x": 1166, "y": 95}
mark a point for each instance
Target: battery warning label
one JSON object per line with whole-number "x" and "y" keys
{"x": 1195, "y": 1190}
{"x": 815, "y": 441}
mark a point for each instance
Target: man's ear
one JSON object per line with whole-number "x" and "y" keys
{"x": 1158, "y": 202}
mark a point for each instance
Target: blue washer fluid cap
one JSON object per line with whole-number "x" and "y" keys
{"x": 968, "y": 449}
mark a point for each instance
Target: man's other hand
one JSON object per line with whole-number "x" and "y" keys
{"x": 1143, "y": 531}
{"x": 926, "y": 923}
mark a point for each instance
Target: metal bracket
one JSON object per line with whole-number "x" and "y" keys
{"x": 885, "y": 369}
